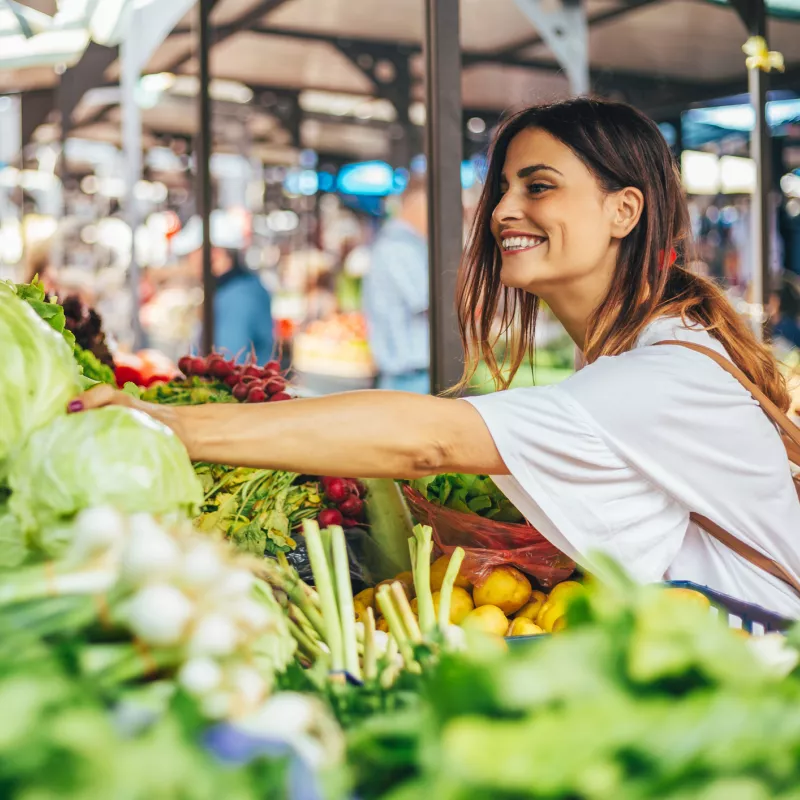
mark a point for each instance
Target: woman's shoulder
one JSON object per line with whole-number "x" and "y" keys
{"x": 650, "y": 381}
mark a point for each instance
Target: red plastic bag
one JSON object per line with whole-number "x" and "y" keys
{"x": 488, "y": 544}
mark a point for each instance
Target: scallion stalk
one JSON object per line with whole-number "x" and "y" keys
{"x": 327, "y": 593}
{"x": 344, "y": 593}
{"x": 422, "y": 578}
{"x": 446, "y": 592}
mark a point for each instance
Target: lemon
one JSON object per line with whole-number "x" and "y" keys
{"x": 531, "y": 609}
{"x": 689, "y": 595}
{"x": 548, "y": 619}
{"x": 438, "y": 570}
{"x": 522, "y": 626}
{"x": 366, "y": 598}
{"x": 504, "y": 587}
{"x": 488, "y": 619}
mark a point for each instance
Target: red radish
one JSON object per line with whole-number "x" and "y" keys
{"x": 220, "y": 369}
{"x": 268, "y": 374}
{"x": 251, "y": 371}
{"x": 275, "y": 385}
{"x": 256, "y": 395}
{"x": 272, "y": 366}
{"x": 248, "y": 379}
{"x": 329, "y": 516}
{"x": 336, "y": 490}
{"x": 198, "y": 366}
{"x": 351, "y": 507}
{"x": 350, "y": 523}
{"x": 240, "y": 391}
{"x": 360, "y": 488}
{"x": 185, "y": 365}
{"x": 279, "y": 396}
{"x": 232, "y": 380}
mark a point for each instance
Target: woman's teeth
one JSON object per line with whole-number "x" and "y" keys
{"x": 521, "y": 242}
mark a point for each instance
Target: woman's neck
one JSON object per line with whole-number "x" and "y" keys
{"x": 574, "y": 304}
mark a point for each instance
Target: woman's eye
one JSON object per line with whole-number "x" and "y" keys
{"x": 538, "y": 188}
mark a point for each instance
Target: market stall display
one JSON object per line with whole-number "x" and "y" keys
{"x": 158, "y": 640}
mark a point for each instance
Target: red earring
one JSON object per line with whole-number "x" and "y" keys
{"x": 668, "y": 261}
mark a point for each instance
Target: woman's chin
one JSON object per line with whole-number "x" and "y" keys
{"x": 512, "y": 277}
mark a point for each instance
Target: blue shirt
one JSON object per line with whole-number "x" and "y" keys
{"x": 396, "y": 300}
{"x": 243, "y": 316}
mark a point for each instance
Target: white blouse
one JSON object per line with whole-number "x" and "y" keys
{"x": 616, "y": 457}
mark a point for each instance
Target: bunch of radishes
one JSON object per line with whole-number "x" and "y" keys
{"x": 347, "y": 505}
{"x": 248, "y": 383}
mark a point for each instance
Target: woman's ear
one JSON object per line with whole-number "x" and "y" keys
{"x": 627, "y": 208}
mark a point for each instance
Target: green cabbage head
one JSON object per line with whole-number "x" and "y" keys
{"x": 109, "y": 457}
{"x": 38, "y": 375}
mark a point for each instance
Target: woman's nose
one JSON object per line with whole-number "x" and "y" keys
{"x": 509, "y": 208}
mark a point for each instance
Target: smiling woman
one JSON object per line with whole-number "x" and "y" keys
{"x": 582, "y": 208}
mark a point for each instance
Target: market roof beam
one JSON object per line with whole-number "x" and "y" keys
{"x": 220, "y": 33}
{"x": 597, "y": 19}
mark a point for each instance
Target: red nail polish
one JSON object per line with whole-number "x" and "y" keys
{"x": 74, "y": 405}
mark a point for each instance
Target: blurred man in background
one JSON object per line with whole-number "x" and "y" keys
{"x": 396, "y": 296}
{"x": 242, "y": 305}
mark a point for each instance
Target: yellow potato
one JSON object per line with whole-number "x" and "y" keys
{"x": 504, "y": 587}
{"x": 438, "y": 570}
{"x": 382, "y": 625}
{"x": 522, "y": 626}
{"x": 367, "y": 597}
{"x": 559, "y": 624}
{"x": 359, "y": 607}
{"x": 531, "y": 609}
{"x": 488, "y": 619}
{"x": 542, "y": 611}
{"x": 460, "y": 604}
{"x": 409, "y": 593}
{"x": 407, "y": 579}
{"x": 415, "y": 606}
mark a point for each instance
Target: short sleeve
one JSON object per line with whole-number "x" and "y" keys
{"x": 574, "y": 489}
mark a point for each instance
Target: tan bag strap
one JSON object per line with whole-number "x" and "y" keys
{"x": 790, "y": 434}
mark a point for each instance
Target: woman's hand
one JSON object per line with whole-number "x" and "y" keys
{"x": 105, "y": 395}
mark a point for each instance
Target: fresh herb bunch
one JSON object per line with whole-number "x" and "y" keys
{"x": 471, "y": 494}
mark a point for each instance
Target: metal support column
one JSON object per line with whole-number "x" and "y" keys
{"x": 132, "y": 149}
{"x": 753, "y": 15}
{"x": 565, "y": 31}
{"x": 203, "y": 165}
{"x": 445, "y": 220}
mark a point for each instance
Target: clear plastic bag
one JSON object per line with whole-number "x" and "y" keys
{"x": 488, "y": 544}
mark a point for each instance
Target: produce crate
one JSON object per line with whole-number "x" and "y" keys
{"x": 752, "y": 618}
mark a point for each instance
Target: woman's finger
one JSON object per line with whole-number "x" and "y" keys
{"x": 97, "y": 397}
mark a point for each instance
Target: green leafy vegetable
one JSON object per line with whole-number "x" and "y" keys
{"x": 38, "y": 376}
{"x": 470, "y": 494}
{"x": 113, "y": 456}
{"x": 52, "y": 313}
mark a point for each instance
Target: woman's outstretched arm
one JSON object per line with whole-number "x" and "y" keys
{"x": 365, "y": 434}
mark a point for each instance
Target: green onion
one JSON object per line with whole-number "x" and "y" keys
{"x": 446, "y": 593}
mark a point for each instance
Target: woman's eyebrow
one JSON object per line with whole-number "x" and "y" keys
{"x": 525, "y": 171}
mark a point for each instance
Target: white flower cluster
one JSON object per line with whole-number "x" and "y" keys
{"x": 189, "y": 592}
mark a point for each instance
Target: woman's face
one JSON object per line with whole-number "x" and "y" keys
{"x": 554, "y": 225}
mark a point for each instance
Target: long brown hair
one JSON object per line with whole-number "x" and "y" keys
{"x": 622, "y": 148}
